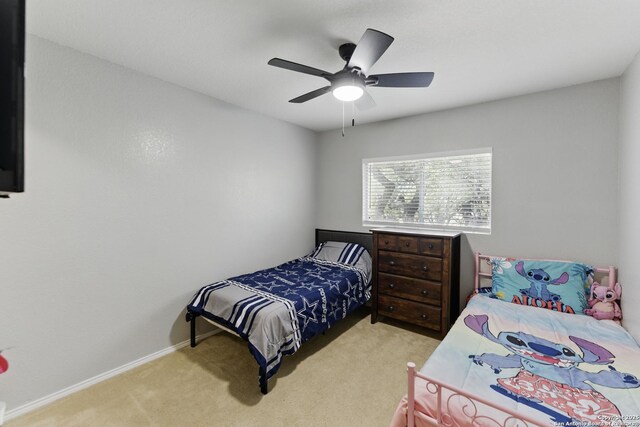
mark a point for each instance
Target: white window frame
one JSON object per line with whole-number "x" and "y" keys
{"x": 450, "y": 227}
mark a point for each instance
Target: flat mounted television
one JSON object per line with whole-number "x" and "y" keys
{"x": 12, "y": 30}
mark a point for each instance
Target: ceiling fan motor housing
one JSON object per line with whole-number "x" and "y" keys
{"x": 348, "y": 77}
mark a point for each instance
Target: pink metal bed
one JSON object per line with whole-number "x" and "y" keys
{"x": 475, "y": 407}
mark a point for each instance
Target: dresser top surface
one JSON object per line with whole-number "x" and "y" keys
{"x": 417, "y": 232}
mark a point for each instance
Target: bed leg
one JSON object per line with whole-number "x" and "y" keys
{"x": 264, "y": 388}
{"x": 192, "y": 318}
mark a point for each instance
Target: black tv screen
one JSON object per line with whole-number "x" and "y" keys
{"x": 12, "y": 29}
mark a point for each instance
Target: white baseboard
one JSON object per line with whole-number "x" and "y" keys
{"x": 28, "y": 407}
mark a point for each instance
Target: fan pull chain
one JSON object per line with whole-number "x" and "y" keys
{"x": 343, "y": 119}
{"x": 353, "y": 114}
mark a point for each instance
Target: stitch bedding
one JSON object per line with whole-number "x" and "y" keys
{"x": 558, "y": 368}
{"x": 277, "y": 309}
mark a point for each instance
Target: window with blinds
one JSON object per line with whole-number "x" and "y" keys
{"x": 442, "y": 191}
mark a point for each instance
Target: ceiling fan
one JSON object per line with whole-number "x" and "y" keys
{"x": 349, "y": 83}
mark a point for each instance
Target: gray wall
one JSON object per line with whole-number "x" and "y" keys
{"x": 138, "y": 192}
{"x": 554, "y": 171}
{"x": 629, "y": 209}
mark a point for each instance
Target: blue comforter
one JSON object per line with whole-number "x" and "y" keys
{"x": 279, "y": 308}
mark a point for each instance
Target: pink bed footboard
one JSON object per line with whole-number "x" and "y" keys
{"x": 435, "y": 403}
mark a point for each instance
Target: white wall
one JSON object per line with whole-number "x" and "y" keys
{"x": 554, "y": 171}
{"x": 138, "y": 192}
{"x": 629, "y": 208}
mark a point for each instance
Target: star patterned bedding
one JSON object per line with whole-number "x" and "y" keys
{"x": 279, "y": 308}
{"x": 554, "y": 367}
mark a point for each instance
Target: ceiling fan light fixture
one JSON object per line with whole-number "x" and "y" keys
{"x": 347, "y": 87}
{"x": 348, "y": 93}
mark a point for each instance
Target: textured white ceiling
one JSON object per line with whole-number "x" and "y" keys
{"x": 480, "y": 50}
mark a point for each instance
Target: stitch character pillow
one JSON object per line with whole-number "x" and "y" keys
{"x": 554, "y": 285}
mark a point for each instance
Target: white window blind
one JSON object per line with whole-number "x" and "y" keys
{"x": 443, "y": 191}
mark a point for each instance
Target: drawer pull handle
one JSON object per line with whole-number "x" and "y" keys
{"x": 407, "y": 244}
{"x": 425, "y": 268}
{"x": 423, "y": 316}
{"x": 392, "y": 263}
{"x": 386, "y": 242}
{"x": 391, "y": 285}
{"x": 425, "y": 292}
{"x": 391, "y": 308}
{"x": 430, "y": 245}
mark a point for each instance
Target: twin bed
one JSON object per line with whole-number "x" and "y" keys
{"x": 277, "y": 309}
{"x": 521, "y": 361}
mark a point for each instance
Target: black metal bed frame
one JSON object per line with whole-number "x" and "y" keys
{"x": 364, "y": 239}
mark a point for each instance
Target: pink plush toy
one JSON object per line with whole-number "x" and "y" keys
{"x": 603, "y": 302}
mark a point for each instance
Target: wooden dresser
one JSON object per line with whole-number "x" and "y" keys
{"x": 416, "y": 277}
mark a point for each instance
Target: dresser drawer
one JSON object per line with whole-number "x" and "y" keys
{"x": 387, "y": 242}
{"x": 413, "y": 289}
{"x": 409, "y": 311}
{"x": 430, "y": 246}
{"x": 408, "y": 244}
{"x": 421, "y": 267}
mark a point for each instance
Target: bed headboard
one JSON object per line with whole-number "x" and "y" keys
{"x": 482, "y": 259}
{"x": 364, "y": 239}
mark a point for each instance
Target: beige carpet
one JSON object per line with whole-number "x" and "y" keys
{"x": 352, "y": 376}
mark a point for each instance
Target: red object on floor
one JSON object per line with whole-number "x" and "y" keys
{"x": 4, "y": 364}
